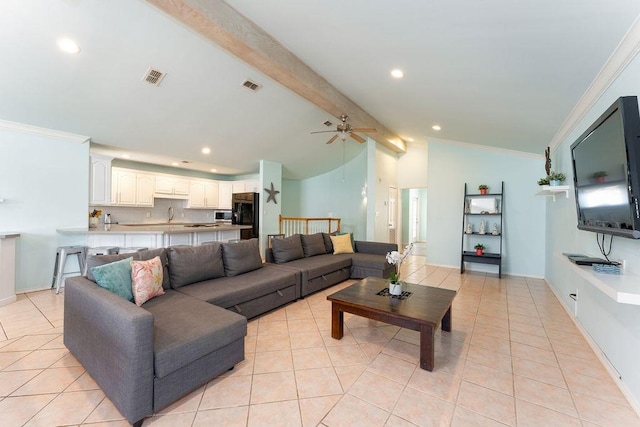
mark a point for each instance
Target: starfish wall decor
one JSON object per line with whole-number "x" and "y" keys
{"x": 272, "y": 194}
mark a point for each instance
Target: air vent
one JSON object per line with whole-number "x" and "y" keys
{"x": 328, "y": 123}
{"x": 153, "y": 76}
{"x": 185, "y": 161}
{"x": 251, "y": 85}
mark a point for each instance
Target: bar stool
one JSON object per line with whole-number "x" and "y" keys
{"x": 99, "y": 250}
{"x": 62, "y": 253}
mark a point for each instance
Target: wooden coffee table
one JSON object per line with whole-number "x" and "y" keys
{"x": 421, "y": 311}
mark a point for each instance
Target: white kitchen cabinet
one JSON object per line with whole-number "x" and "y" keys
{"x": 145, "y": 186}
{"x": 173, "y": 239}
{"x": 203, "y": 194}
{"x": 123, "y": 187}
{"x": 238, "y": 187}
{"x": 100, "y": 180}
{"x": 251, "y": 186}
{"x": 172, "y": 186}
{"x": 225, "y": 190}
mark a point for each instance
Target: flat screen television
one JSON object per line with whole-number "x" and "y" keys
{"x": 606, "y": 171}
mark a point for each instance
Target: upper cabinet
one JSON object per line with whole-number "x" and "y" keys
{"x": 224, "y": 195}
{"x": 131, "y": 188}
{"x": 100, "y": 180}
{"x": 203, "y": 194}
{"x": 172, "y": 186}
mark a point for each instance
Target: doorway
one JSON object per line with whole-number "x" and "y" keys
{"x": 414, "y": 217}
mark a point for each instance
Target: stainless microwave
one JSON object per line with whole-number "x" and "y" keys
{"x": 224, "y": 215}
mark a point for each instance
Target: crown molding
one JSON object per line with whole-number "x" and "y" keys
{"x": 625, "y": 52}
{"x": 496, "y": 150}
{"x": 35, "y": 130}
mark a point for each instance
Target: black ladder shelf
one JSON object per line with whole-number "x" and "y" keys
{"x": 476, "y": 209}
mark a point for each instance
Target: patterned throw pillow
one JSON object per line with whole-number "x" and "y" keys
{"x": 146, "y": 278}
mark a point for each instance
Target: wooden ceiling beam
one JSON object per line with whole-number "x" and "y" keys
{"x": 223, "y": 25}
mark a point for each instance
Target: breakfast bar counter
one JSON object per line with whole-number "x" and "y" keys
{"x": 156, "y": 235}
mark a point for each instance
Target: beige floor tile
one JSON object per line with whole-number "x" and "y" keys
{"x": 349, "y": 374}
{"x": 491, "y": 378}
{"x": 552, "y": 397}
{"x": 491, "y": 343}
{"x": 171, "y": 420}
{"x": 313, "y": 410}
{"x": 422, "y": 409}
{"x": 188, "y": 403}
{"x": 68, "y": 360}
{"x": 530, "y": 415}
{"x": 596, "y": 387}
{"x": 487, "y": 357}
{"x": 305, "y": 340}
{"x": 9, "y": 358}
{"x": 528, "y": 329}
{"x": 583, "y": 351}
{"x": 534, "y": 354}
{"x": 30, "y": 342}
{"x": 67, "y": 408}
{"x": 274, "y": 387}
{"x": 13, "y": 380}
{"x": 302, "y": 325}
{"x": 272, "y": 342}
{"x": 317, "y": 382}
{"x": 604, "y": 413}
{"x": 272, "y": 361}
{"x": 104, "y": 412}
{"x": 403, "y": 350}
{"x": 465, "y": 418}
{"x": 225, "y": 392}
{"x": 347, "y": 355}
{"x": 486, "y": 402}
{"x": 372, "y": 349}
{"x": 276, "y": 327}
{"x": 50, "y": 381}
{"x": 38, "y": 359}
{"x": 539, "y": 372}
{"x": 273, "y": 316}
{"x": 377, "y": 390}
{"x": 16, "y": 411}
{"x": 368, "y": 335}
{"x": 395, "y": 369}
{"x": 347, "y": 339}
{"x": 314, "y": 357}
{"x": 436, "y": 383}
{"x": 286, "y": 413}
{"x": 245, "y": 367}
{"x": 227, "y": 417}
{"x": 351, "y": 411}
{"x": 575, "y": 365}
{"x": 532, "y": 340}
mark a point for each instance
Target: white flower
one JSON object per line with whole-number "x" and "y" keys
{"x": 395, "y": 258}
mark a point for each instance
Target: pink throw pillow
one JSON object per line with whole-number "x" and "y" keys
{"x": 146, "y": 279}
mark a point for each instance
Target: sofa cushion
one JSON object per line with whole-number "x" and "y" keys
{"x": 287, "y": 249}
{"x": 313, "y": 244}
{"x": 327, "y": 242}
{"x": 321, "y": 264}
{"x": 146, "y": 280}
{"x": 115, "y": 277}
{"x": 370, "y": 261}
{"x": 191, "y": 264}
{"x": 241, "y": 257}
{"x": 186, "y": 329}
{"x": 342, "y": 244}
{"x": 229, "y": 291}
{"x": 98, "y": 260}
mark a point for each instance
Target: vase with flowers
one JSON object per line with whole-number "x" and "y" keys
{"x": 396, "y": 258}
{"x": 94, "y": 218}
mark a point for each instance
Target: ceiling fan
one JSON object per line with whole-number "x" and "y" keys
{"x": 344, "y": 129}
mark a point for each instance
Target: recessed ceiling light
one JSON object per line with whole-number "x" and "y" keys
{"x": 397, "y": 73}
{"x": 68, "y": 46}
{"x": 409, "y": 139}
{"x": 206, "y": 150}
{"x": 175, "y": 164}
{"x": 436, "y": 127}
{"x": 214, "y": 170}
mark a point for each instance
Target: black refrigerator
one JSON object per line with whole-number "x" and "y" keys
{"x": 246, "y": 207}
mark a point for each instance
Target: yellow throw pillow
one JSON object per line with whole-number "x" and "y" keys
{"x": 342, "y": 244}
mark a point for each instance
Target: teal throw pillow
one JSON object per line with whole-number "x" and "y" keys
{"x": 115, "y": 277}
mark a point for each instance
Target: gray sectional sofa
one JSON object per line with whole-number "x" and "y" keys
{"x": 145, "y": 357}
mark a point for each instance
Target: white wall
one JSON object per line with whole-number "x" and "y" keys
{"x": 385, "y": 175}
{"x": 451, "y": 165}
{"x": 270, "y": 172}
{"x": 44, "y": 181}
{"x": 413, "y": 165}
{"x": 614, "y": 327}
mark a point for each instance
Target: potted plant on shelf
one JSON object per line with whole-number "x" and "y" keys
{"x": 479, "y": 249}
{"x": 483, "y": 188}
{"x": 395, "y": 258}
{"x": 600, "y": 176}
{"x": 556, "y": 178}
{"x": 543, "y": 181}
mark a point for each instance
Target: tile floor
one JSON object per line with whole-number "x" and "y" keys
{"x": 513, "y": 358}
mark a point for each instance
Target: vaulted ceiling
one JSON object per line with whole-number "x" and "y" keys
{"x": 497, "y": 73}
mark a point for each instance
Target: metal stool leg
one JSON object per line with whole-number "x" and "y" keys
{"x": 60, "y": 270}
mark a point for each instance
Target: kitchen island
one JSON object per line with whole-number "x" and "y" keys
{"x": 156, "y": 235}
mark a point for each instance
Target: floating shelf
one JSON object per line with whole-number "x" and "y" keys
{"x": 554, "y": 190}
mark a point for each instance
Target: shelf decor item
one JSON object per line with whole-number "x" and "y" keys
{"x": 600, "y": 176}
{"x": 396, "y": 258}
{"x": 543, "y": 181}
{"x": 94, "y": 218}
{"x": 556, "y": 178}
{"x": 483, "y": 188}
{"x": 479, "y": 249}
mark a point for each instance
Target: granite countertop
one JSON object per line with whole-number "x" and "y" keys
{"x": 153, "y": 228}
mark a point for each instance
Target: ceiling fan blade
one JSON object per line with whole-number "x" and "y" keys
{"x": 357, "y": 137}
{"x": 365, "y": 130}
{"x": 324, "y": 131}
{"x": 333, "y": 138}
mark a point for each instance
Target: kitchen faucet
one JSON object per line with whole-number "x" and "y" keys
{"x": 170, "y": 213}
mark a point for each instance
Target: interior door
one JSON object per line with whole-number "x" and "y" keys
{"x": 393, "y": 214}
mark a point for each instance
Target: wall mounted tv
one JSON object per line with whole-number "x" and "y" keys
{"x": 606, "y": 171}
